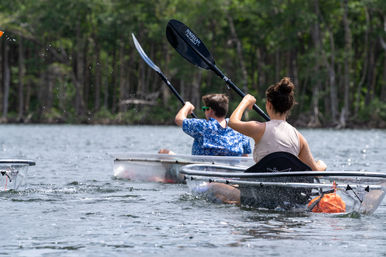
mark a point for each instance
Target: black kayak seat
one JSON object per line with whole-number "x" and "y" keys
{"x": 272, "y": 197}
{"x": 279, "y": 161}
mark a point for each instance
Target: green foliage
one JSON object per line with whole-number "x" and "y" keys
{"x": 52, "y": 115}
{"x": 61, "y": 40}
{"x": 103, "y": 114}
{"x": 376, "y": 110}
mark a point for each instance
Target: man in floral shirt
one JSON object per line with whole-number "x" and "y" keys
{"x": 212, "y": 136}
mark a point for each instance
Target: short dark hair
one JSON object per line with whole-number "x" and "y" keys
{"x": 281, "y": 95}
{"x": 218, "y": 103}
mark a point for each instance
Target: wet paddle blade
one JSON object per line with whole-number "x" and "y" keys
{"x": 187, "y": 44}
{"x": 144, "y": 55}
{"x": 158, "y": 70}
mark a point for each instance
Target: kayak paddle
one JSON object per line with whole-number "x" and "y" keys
{"x": 158, "y": 70}
{"x": 1, "y": 33}
{"x": 187, "y": 44}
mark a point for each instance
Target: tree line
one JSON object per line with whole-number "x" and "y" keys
{"x": 73, "y": 61}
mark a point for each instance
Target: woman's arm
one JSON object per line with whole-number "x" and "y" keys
{"x": 252, "y": 129}
{"x": 306, "y": 156}
{"x": 183, "y": 113}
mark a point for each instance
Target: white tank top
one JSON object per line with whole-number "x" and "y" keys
{"x": 279, "y": 136}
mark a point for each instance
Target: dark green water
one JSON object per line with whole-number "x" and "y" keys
{"x": 72, "y": 206}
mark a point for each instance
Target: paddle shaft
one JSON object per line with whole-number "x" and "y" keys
{"x": 235, "y": 88}
{"x": 174, "y": 91}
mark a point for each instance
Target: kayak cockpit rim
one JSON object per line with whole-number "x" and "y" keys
{"x": 343, "y": 186}
{"x": 183, "y": 159}
{"x": 201, "y": 170}
{"x": 182, "y": 162}
{"x": 17, "y": 162}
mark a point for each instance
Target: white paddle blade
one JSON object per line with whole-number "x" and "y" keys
{"x": 144, "y": 56}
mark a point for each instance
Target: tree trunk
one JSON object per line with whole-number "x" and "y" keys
{"x": 239, "y": 50}
{"x": 62, "y": 95}
{"x": 21, "y": 75}
{"x": 98, "y": 77}
{"x": 30, "y": 51}
{"x": 370, "y": 74}
{"x": 262, "y": 81}
{"x": 330, "y": 65}
{"x": 78, "y": 78}
{"x": 316, "y": 83}
{"x": 195, "y": 90}
{"x": 6, "y": 81}
{"x": 105, "y": 83}
{"x": 347, "y": 63}
{"x": 302, "y": 92}
{"x": 86, "y": 77}
{"x": 365, "y": 65}
{"x": 128, "y": 85}
{"x": 383, "y": 83}
{"x": 122, "y": 77}
{"x": 114, "y": 81}
{"x": 28, "y": 100}
{"x": 41, "y": 92}
{"x": 277, "y": 66}
{"x": 165, "y": 91}
{"x": 332, "y": 84}
{"x": 51, "y": 76}
{"x": 293, "y": 67}
{"x": 183, "y": 90}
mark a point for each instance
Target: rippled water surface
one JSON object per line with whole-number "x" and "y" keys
{"x": 72, "y": 206}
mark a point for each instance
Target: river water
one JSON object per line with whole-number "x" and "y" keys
{"x": 72, "y": 205}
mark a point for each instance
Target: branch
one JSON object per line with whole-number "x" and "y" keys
{"x": 137, "y": 102}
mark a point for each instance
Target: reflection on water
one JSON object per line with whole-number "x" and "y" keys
{"x": 73, "y": 206}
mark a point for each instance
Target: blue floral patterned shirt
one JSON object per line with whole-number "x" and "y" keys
{"x": 212, "y": 139}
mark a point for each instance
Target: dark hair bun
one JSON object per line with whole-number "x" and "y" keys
{"x": 285, "y": 86}
{"x": 281, "y": 95}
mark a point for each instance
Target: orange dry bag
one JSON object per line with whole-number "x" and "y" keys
{"x": 1, "y": 33}
{"x": 330, "y": 203}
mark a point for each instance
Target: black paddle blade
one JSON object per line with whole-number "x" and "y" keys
{"x": 187, "y": 44}
{"x": 144, "y": 55}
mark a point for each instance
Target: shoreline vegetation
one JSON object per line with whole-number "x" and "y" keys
{"x": 73, "y": 61}
{"x": 147, "y": 117}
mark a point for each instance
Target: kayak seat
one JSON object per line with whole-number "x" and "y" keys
{"x": 272, "y": 197}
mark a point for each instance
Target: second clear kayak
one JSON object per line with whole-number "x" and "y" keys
{"x": 166, "y": 168}
{"x": 13, "y": 173}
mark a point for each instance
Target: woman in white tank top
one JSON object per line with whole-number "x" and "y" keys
{"x": 275, "y": 135}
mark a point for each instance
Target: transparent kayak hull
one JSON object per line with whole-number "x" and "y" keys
{"x": 361, "y": 192}
{"x": 166, "y": 168}
{"x": 13, "y": 173}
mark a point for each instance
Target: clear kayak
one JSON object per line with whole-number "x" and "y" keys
{"x": 13, "y": 173}
{"x": 166, "y": 168}
{"x": 357, "y": 191}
